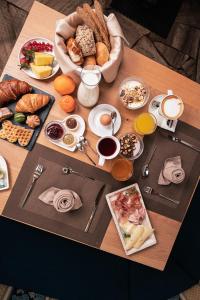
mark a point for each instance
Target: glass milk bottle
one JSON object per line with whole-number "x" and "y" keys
{"x": 88, "y": 91}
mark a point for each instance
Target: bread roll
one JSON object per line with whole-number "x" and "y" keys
{"x": 102, "y": 53}
{"x": 90, "y": 60}
{"x": 74, "y": 51}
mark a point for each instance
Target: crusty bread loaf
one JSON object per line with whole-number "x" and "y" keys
{"x": 85, "y": 40}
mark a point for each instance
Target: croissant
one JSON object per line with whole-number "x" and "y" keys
{"x": 30, "y": 103}
{"x": 11, "y": 89}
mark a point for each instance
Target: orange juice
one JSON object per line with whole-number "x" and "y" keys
{"x": 122, "y": 169}
{"x": 145, "y": 123}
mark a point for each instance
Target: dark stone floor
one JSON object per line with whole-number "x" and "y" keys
{"x": 180, "y": 51}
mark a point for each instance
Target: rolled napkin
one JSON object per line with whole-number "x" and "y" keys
{"x": 62, "y": 200}
{"x": 172, "y": 171}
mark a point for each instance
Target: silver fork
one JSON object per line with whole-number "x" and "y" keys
{"x": 150, "y": 190}
{"x": 37, "y": 173}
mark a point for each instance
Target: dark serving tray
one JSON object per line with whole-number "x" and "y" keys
{"x": 42, "y": 113}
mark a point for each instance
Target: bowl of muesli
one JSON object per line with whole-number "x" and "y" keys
{"x": 133, "y": 93}
{"x": 131, "y": 145}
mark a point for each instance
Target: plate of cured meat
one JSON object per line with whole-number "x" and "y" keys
{"x": 131, "y": 219}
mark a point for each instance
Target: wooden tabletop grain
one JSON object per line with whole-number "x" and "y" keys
{"x": 41, "y": 22}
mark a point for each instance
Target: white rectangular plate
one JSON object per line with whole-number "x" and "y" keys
{"x": 4, "y": 168}
{"x": 151, "y": 240}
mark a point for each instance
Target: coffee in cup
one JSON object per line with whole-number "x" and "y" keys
{"x": 171, "y": 106}
{"x": 108, "y": 147}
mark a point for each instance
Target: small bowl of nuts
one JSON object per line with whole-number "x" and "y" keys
{"x": 131, "y": 146}
{"x": 133, "y": 93}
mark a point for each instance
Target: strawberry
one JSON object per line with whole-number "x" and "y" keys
{"x": 24, "y": 63}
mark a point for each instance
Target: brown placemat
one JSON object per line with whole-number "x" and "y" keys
{"x": 190, "y": 163}
{"x": 87, "y": 189}
{"x": 36, "y": 214}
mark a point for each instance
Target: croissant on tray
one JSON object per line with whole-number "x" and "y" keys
{"x": 11, "y": 89}
{"x": 30, "y": 103}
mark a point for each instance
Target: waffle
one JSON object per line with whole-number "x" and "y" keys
{"x": 13, "y": 133}
{"x": 2, "y": 134}
{"x": 24, "y": 136}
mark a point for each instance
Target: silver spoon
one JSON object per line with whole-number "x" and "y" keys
{"x": 68, "y": 171}
{"x": 145, "y": 168}
{"x": 113, "y": 117}
{"x": 83, "y": 140}
{"x": 150, "y": 190}
{"x": 81, "y": 148}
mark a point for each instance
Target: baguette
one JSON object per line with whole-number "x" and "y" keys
{"x": 100, "y": 15}
{"x": 89, "y": 22}
{"x": 98, "y": 24}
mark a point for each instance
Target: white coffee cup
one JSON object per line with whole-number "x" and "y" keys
{"x": 171, "y": 106}
{"x": 108, "y": 147}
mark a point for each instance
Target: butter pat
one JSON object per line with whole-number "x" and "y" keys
{"x": 41, "y": 71}
{"x": 43, "y": 59}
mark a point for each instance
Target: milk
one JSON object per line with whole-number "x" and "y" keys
{"x": 88, "y": 91}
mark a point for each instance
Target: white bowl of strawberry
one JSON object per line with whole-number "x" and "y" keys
{"x": 37, "y": 59}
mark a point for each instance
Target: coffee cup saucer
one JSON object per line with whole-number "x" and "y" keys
{"x": 162, "y": 122}
{"x": 94, "y": 120}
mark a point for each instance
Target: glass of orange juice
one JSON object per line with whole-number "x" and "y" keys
{"x": 145, "y": 123}
{"x": 122, "y": 169}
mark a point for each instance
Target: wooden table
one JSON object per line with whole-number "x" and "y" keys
{"x": 41, "y": 22}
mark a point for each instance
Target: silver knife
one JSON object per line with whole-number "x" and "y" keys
{"x": 178, "y": 140}
{"x": 94, "y": 209}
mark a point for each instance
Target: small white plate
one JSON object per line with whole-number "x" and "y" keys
{"x": 94, "y": 120}
{"x": 55, "y": 63}
{"x": 4, "y": 168}
{"x": 151, "y": 240}
{"x": 77, "y": 133}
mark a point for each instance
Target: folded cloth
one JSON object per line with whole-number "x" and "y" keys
{"x": 172, "y": 171}
{"x": 66, "y": 28}
{"x": 62, "y": 200}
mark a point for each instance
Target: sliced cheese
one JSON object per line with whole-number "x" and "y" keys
{"x": 127, "y": 227}
{"x": 41, "y": 71}
{"x": 135, "y": 235}
{"x": 146, "y": 233}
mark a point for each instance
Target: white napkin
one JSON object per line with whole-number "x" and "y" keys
{"x": 172, "y": 171}
{"x": 62, "y": 200}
